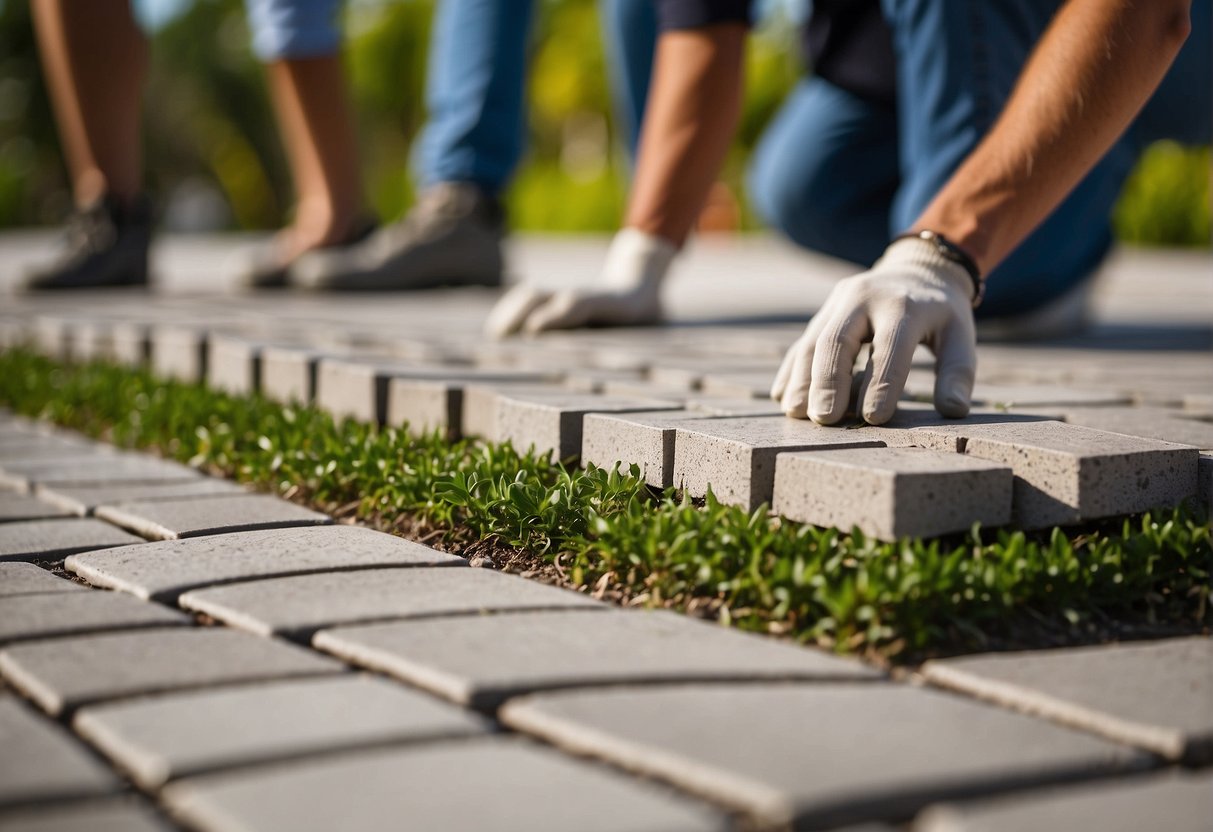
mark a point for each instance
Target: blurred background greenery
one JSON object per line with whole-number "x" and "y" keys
{"x": 214, "y": 159}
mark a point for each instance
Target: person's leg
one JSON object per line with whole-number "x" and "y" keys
{"x": 957, "y": 62}
{"x": 629, "y": 33}
{"x": 825, "y": 172}
{"x": 95, "y": 60}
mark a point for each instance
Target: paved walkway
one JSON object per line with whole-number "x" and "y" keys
{"x": 224, "y": 661}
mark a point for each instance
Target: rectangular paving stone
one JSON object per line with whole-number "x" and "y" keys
{"x": 131, "y": 342}
{"x": 1155, "y": 695}
{"x": 890, "y": 493}
{"x": 179, "y": 352}
{"x": 358, "y": 388}
{"x": 83, "y": 500}
{"x": 14, "y": 506}
{"x": 752, "y": 384}
{"x": 64, "y": 674}
{"x": 162, "y": 738}
{"x": 689, "y": 372}
{"x": 51, "y": 614}
{"x": 1173, "y": 802}
{"x": 429, "y": 404}
{"x": 817, "y": 755}
{"x": 731, "y": 406}
{"x": 19, "y": 578}
{"x": 552, "y": 423}
{"x": 1145, "y": 422}
{"x": 493, "y": 783}
{"x": 115, "y": 468}
{"x": 43, "y": 763}
{"x": 1004, "y": 396}
{"x": 479, "y": 411}
{"x": 288, "y": 374}
{"x": 54, "y": 539}
{"x": 736, "y": 457}
{"x": 114, "y": 815}
{"x": 191, "y": 517}
{"x": 1065, "y": 474}
{"x": 233, "y": 364}
{"x": 644, "y": 439}
{"x": 298, "y": 606}
{"x": 481, "y": 661}
{"x": 163, "y": 570}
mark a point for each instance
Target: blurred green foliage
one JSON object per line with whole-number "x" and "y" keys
{"x": 208, "y": 121}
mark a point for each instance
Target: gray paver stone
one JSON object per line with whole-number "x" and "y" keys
{"x": 497, "y": 783}
{"x": 165, "y": 737}
{"x": 19, "y": 578}
{"x": 428, "y": 404}
{"x": 1146, "y": 422}
{"x": 41, "y": 762}
{"x": 50, "y": 614}
{"x": 819, "y": 755}
{"x": 24, "y": 507}
{"x": 131, "y": 342}
{"x": 53, "y": 539}
{"x": 165, "y": 569}
{"x": 736, "y": 456}
{"x": 1155, "y": 695}
{"x": 482, "y": 660}
{"x": 479, "y": 411}
{"x": 66, "y": 673}
{"x": 179, "y": 352}
{"x": 358, "y": 388}
{"x": 552, "y": 423}
{"x": 115, "y": 815}
{"x": 191, "y": 517}
{"x": 288, "y": 374}
{"x": 300, "y": 605}
{"x": 102, "y": 468}
{"x": 1065, "y": 473}
{"x": 1174, "y": 802}
{"x": 889, "y": 493}
{"x": 644, "y": 439}
{"x": 83, "y": 500}
{"x": 233, "y": 364}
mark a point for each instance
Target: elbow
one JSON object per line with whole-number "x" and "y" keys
{"x": 1174, "y": 23}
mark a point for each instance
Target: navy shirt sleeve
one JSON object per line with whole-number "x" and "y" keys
{"x": 693, "y": 14}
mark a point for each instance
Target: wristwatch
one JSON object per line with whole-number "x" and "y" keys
{"x": 956, "y": 254}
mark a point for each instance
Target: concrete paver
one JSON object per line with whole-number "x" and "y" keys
{"x": 63, "y": 674}
{"x": 288, "y": 374}
{"x": 15, "y": 507}
{"x": 1160, "y": 423}
{"x": 298, "y": 606}
{"x": 482, "y": 660}
{"x": 97, "y": 469}
{"x": 115, "y": 815}
{"x": 25, "y": 617}
{"x": 735, "y": 457}
{"x": 495, "y": 783}
{"x": 818, "y": 755}
{"x": 42, "y": 763}
{"x": 191, "y": 517}
{"x": 429, "y": 404}
{"x": 163, "y": 570}
{"x": 644, "y": 439}
{"x": 1155, "y": 695}
{"x": 1174, "y": 802}
{"x": 83, "y": 500}
{"x": 20, "y": 578}
{"x": 179, "y": 352}
{"x": 53, "y": 539}
{"x": 889, "y": 493}
{"x": 552, "y": 423}
{"x": 162, "y": 738}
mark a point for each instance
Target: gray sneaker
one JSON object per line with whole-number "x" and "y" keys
{"x": 452, "y": 237}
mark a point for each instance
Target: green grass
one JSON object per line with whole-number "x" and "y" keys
{"x": 607, "y": 532}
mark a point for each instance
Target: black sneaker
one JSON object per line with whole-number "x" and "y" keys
{"x": 106, "y": 245}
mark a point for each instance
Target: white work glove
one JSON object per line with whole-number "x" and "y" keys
{"x": 912, "y": 295}
{"x": 628, "y": 293}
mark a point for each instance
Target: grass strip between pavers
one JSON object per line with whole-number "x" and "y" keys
{"x": 608, "y": 533}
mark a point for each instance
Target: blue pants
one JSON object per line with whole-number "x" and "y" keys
{"x": 476, "y": 125}
{"x": 294, "y": 28}
{"x": 840, "y": 175}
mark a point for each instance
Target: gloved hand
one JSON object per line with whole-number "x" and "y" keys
{"x": 912, "y": 295}
{"x": 628, "y": 293}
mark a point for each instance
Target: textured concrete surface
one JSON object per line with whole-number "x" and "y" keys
{"x": 300, "y": 605}
{"x": 19, "y": 578}
{"x": 65, "y": 673}
{"x": 41, "y": 763}
{"x": 164, "y": 570}
{"x": 114, "y": 815}
{"x": 54, "y": 539}
{"x": 83, "y": 500}
{"x": 888, "y": 493}
{"x": 551, "y": 423}
{"x": 482, "y": 660}
{"x": 517, "y": 786}
{"x": 50, "y": 614}
{"x": 1154, "y": 695}
{"x": 15, "y": 507}
{"x": 170, "y": 736}
{"x": 814, "y": 754}
{"x": 96, "y": 469}
{"x": 191, "y": 517}
{"x": 643, "y": 439}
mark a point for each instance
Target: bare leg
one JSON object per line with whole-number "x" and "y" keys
{"x": 689, "y": 122}
{"x": 95, "y": 60}
{"x": 314, "y": 115}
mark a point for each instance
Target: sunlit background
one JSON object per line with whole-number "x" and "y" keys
{"x": 214, "y": 161}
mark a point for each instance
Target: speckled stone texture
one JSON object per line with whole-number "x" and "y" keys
{"x": 644, "y": 439}
{"x": 429, "y": 404}
{"x": 736, "y": 457}
{"x": 1156, "y": 695}
{"x": 19, "y": 578}
{"x": 83, "y": 500}
{"x": 34, "y": 540}
{"x": 51, "y": 614}
{"x": 889, "y": 493}
{"x": 14, "y": 507}
{"x": 191, "y": 517}
{"x": 42, "y": 763}
{"x": 552, "y": 423}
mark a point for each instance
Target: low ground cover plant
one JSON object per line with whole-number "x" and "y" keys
{"x": 607, "y": 533}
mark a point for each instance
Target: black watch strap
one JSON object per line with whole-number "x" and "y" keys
{"x": 954, "y": 253}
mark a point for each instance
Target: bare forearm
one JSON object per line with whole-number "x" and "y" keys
{"x": 692, "y": 112}
{"x": 1092, "y": 72}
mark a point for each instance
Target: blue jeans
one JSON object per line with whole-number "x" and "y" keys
{"x": 476, "y": 125}
{"x": 841, "y": 175}
{"x": 294, "y": 28}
